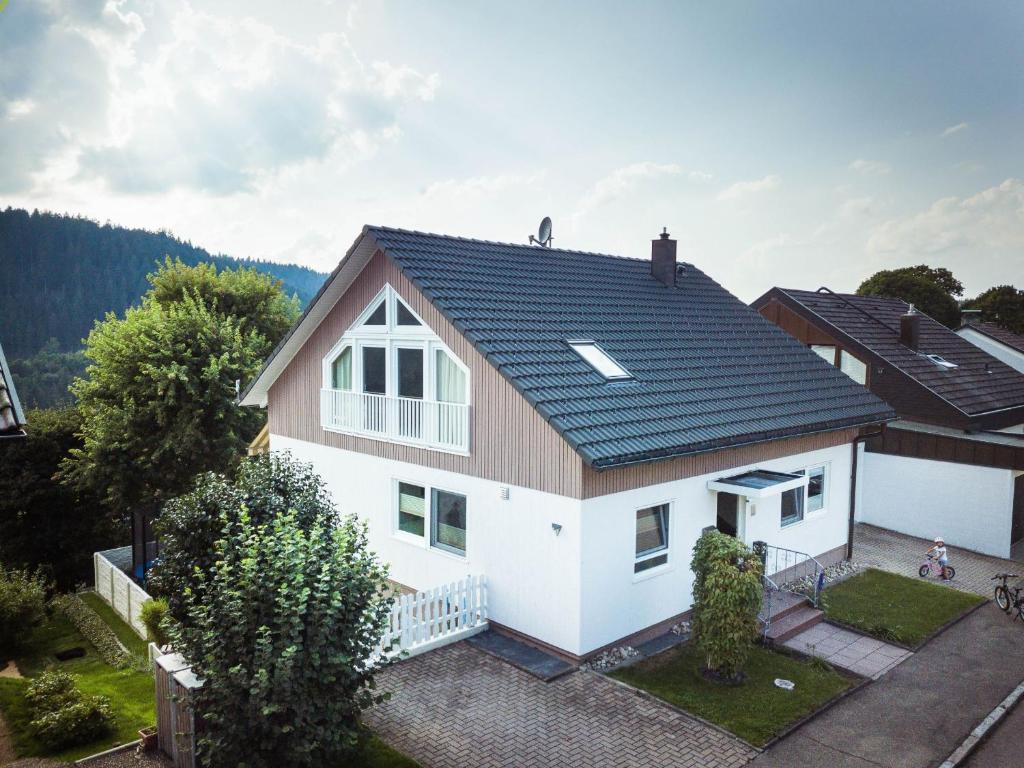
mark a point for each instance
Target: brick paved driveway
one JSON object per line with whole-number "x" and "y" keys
{"x": 899, "y": 553}
{"x": 460, "y": 708}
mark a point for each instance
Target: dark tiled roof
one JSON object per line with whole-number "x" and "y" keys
{"x": 11, "y": 417}
{"x": 1003, "y": 336}
{"x": 709, "y": 371}
{"x": 980, "y": 383}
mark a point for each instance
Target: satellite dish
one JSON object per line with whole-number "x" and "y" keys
{"x": 543, "y": 237}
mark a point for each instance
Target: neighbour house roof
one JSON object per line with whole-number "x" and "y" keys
{"x": 12, "y": 419}
{"x": 996, "y": 333}
{"x": 704, "y": 370}
{"x": 976, "y": 384}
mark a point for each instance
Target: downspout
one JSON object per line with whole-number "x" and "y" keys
{"x": 853, "y": 487}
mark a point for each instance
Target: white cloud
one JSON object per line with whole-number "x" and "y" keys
{"x": 986, "y": 227}
{"x": 856, "y": 208}
{"x": 955, "y": 129}
{"x": 870, "y": 167}
{"x": 152, "y": 96}
{"x": 623, "y": 182}
{"x": 742, "y": 189}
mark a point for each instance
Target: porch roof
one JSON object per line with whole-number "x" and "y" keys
{"x": 758, "y": 483}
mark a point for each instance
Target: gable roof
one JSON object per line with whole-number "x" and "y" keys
{"x": 12, "y": 418}
{"x": 996, "y": 333}
{"x": 979, "y": 383}
{"x": 708, "y": 372}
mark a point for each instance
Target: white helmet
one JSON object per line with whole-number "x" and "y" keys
{"x": 939, "y": 540}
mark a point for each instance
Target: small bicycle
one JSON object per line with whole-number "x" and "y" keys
{"x": 1004, "y": 598}
{"x": 931, "y": 565}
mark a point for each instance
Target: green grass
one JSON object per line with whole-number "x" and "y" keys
{"x": 756, "y": 710}
{"x": 380, "y": 755}
{"x": 125, "y": 634}
{"x": 895, "y": 608}
{"x": 131, "y": 693}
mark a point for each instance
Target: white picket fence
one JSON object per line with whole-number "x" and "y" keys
{"x": 423, "y": 621}
{"x": 117, "y": 589}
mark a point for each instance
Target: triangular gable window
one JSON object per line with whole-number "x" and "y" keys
{"x": 379, "y": 316}
{"x": 405, "y": 315}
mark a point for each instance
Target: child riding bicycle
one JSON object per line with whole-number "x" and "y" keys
{"x": 938, "y": 550}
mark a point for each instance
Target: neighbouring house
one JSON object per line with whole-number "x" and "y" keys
{"x": 1000, "y": 343}
{"x": 953, "y": 464}
{"x": 12, "y": 417}
{"x": 564, "y": 423}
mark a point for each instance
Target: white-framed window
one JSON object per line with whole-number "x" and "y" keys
{"x": 793, "y": 502}
{"x": 853, "y": 367}
{"x": 600, "y": 360}
{"x": 826, "y": 352}
{"x": 817, "y": 488}
{"x": 652, "y": 538}
{"x": 433, "y": 516}
{"x": 390, "y": 377}
{"x": 796, "y": 502}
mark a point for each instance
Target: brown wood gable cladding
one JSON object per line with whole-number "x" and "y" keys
{"x": 902, "y": 392}
{"x": 959, "y": 450}
{"x": 651, "y": 473}
{"x": 509, "y": 442}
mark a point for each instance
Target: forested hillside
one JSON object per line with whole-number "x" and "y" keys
{"x": 61, "y": 273}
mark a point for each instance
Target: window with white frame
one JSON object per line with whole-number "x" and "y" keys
{"x": 391, "y": 377}
{"x": 817, "y": 487}
{"x": 600, "y": 360}
{"x": 423, "y": 510}
{"x": 826, "y": 352}
{"x": 853, "y": 367}
{"x": 652, "y": 531}
{"x": 793, "y": 504}
{"x": 809, "y": 498}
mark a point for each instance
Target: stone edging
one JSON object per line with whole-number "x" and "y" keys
{"x": 975, "y": 737}
{"x": 108, "y": 752}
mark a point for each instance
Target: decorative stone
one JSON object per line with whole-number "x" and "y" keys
{"x": 610, "y": 659}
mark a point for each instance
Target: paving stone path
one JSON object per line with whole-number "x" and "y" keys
{"x": 457, "y": 707}
{"x": 899, "y": 553}
{"x": 849, "y": 650}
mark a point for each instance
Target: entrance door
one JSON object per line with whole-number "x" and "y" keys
{"x": 728, "y": 513}
{"x": 1017, "y": 526}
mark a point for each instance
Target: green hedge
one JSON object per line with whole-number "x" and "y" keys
{"x": 94, "y": 629}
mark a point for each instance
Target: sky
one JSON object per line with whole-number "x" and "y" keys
{"x": 781, "y": 143}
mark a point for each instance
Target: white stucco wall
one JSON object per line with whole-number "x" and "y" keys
{"x": 533, "y": 574}
{"x": 999, "y": 351}
{"x": 616, "y": 602}
{"x": 969, "y": 506}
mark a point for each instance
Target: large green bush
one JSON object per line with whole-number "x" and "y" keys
{"x": 281, "y": 626}
{"x": 63, "y": 716}
{"x": 22, "y": 606}
{"x": 727, "y": 594}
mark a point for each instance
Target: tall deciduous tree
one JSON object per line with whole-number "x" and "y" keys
{"x": 281, "y": 621}
{"x": 931, "y": 290}
{"x": 158, "y": 400}
{"x": 1002, "y": 305}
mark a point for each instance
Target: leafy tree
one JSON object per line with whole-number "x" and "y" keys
{"x": 158, "y": 402}
{"x": 930, "y": 290}
{"x": 281, "y": 627}
{"x": 43, "y": 523}
{"x": 22, "y": 607}
{"x": 1002, "y": 305}
{"x": 190, "y": 526}
{"x": 727, "y": 596}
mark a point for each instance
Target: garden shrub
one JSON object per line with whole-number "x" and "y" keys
{"x": 154, "y": 615}
{"x": 727, "y": 594}
{"x": 94, "y": 629}
{"x": 63, "y": 716}
{"x": 22, "y": 607}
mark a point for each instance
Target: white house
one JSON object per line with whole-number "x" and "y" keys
{"x": 565, "y": 423}
{"x": 953, "y": 464}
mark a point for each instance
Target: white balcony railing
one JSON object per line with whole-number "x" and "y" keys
{"x": 429, "y": 423}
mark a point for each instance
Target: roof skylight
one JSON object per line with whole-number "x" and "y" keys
{"x": 599, "y": 359}
{"x": 939, "y": 360}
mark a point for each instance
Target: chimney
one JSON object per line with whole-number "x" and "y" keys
{"x": 663, "y": 258}
{"x": 910, "y": 329}
{"x": 970, "y": 316}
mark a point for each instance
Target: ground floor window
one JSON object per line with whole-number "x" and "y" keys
{"x": 816, "y": 488}
{"x": 651, "y": 537}
{"x": 793, "y": 504}
{"x": 446, "y": 512}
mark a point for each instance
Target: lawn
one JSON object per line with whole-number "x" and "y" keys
{"x": 131, "y": 693}
{"x": 755, "y": 711}
{"x": 895, "y": 608}
{"x": 380, "y": 755}
{"x": 125, "y": 634}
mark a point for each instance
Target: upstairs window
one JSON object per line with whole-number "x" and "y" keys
{"x": 826, "y": 352}
{"x": 600, "y": 360}
{"x": 853, "y": 367}
{"x": 341, "y": 370}
{"x": 379, "y": 316}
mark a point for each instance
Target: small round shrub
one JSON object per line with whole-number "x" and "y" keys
{"x": 154, "y": 616}
{"x": 63, "y": 716}
{"x": 22, "y": 607}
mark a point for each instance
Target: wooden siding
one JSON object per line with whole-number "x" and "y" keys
{"x": 509, "y": 441}
{"x": 651, "y": 473}
{"x": 959, "y": 450}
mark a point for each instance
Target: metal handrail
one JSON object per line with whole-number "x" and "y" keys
{"x": 793, "y": 559}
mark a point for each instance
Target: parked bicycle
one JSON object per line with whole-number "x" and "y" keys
{"x": 931, "y": 565}
{"x": 1003, "y": 596}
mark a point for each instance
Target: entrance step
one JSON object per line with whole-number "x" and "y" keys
{"x": 784, "y": 603}
{"x": 793, "y": 622}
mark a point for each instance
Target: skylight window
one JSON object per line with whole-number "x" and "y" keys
{"x": 600, "y": 360}
{"x": 939, "y": 360}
